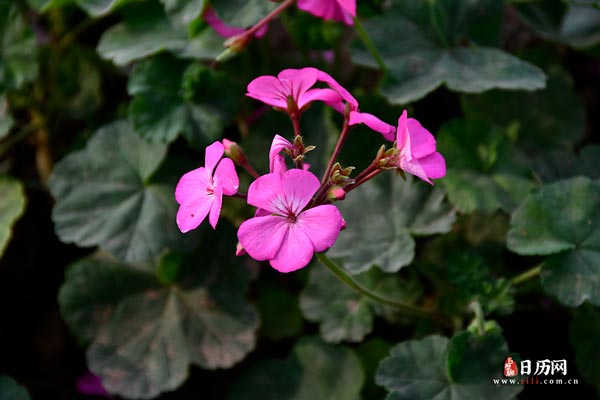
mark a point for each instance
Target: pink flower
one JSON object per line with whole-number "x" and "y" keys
{"x": 290, "y": 85}
{"x": 212, "y": 19}
{"x": 90, "y": 384}
{"x": 289, "y": 235}
{"x": 276, "y": 160}
{"x": 356, "y": 117}
{"x": 200, "y": 192}
{"x": 337, "y": 10}
{"x": 418, "y": 155}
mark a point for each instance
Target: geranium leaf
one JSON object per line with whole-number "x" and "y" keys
{"x": 17, "y": 47}
{"x": 144, "y": 335}
{"x": 345, "y": 315}
{"x": 105, "y": 197}
{"x": 12, "y": 205}
{"x": 426, "y": 52}
{"x": 314, "y": 370}
{"x": 562, "y": 220}
{"x": 385, "y": 238}
{"x": 439, "y": 368}
{"x": 242, "y": 13}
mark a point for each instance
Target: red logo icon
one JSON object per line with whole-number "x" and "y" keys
{"x": 510, "y": 367}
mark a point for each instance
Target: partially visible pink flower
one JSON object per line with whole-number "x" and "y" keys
{"x": 337, "y": 10}
{"x": 200, "y": 192}
{"x": 224, "y": 30}
{"x": 346, "y": 100}
{"x": 276, "y": 160}
{"x": 290, "y": 85}
{"x": 90, "y": 384}
{"x": 289, "y": 236}
{"x": 418, "y": 155}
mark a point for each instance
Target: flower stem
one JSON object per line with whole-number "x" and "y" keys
{"x": 405, "y": 309}
{"x": 479, "y": 317}
{"x": 336, "y": 151}
{"x": 268, "y": 18}
{"x": 364, "y": 36}
{"x": 363, "y": 179}
{"x": 525, "y": 276}
{"x": 239, "y": 195}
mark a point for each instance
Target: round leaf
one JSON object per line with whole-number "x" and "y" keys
{"x": 384, "y": 237}
{"x": 104, "y": 196}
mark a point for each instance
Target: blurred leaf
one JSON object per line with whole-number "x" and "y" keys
{"x": 11, "y": 390}
{"x": 98, "y": 8}
{"x": 145, "y": 336}
{"x": 343, "y": 314}
{"x": 156, "y": 84}
{"x": 279, "y": 312}
{"x": 575, "y": 23}
{"x": 562, "y": 220}
{"x": 314, "y": 370}
{"x": 42, "y": 6}
{"x": 105, "y": 196}
{"x": 382, "y": 216}
{"x": 485, "y": 171}
{"x": 242, "y": 13}
{"x": 183, "y": 12}
{"x": 554, "y": 117}
{"x": 17, "y": 48}
{"x": 12, "y": 206}
{"x": 584, "y": 331}
{"x": 561, "y": 164}
{"x": 6, "y": 120}
{"x": 438, "y": 368}
{"x": 426, "y": 52}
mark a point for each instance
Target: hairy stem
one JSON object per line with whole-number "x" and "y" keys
{"x": 525, "y": 276}
{"x": 268, "y": 18}
{"x": 479, "y": 317}
{"x": 405, "y": 309}
{"x": 369, "y": 43}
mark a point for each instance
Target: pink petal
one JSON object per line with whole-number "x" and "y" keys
{"x": 266, "y": 192}
{"x": 215, "y": 210}
{"x": 414, "y": 167}
{"x": 191, "y": 185}
{"x": 295, "y": 252}
{"x": 321, "y": 225}
{"x": 422, "y": 142}
{"x": 278, "y": 144}
{"x": 328, "y": 9}
{"x": 192, "y": 213}
{"x": 226, "y": 178}
{"x": 329, "y": 96}
{"x": 213, "y": 154}
{"x": 213, "y": 20}
{"x": 349, "y": 6}
{"x": 388, "y": 131}
{"x": 278, "y": 165}
{"x": 298, "y": 81}
{"x": 402, "y": 136}
{"x": 326, "y": 78}
{"x": 261, "y": 237}
{"x": 298, "y": 188}
{"x": 269, "y": 90}
{"x": 434, "y": 165}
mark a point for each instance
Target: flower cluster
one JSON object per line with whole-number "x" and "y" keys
{"x": 294, "y": 216}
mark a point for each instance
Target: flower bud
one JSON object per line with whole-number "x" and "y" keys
{"x": 235, "y": 152}
{"x": 336, "y": 193}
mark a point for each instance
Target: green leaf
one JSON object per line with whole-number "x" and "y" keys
{"x": 345, "y": 315}
{"x": 145, "y": 336}
{"x": 485, "y": 170}
{"x": 584, "y": 331}
{"x": 17, "y": 48}
{"x": 385, "y": 238}
{"x": 98, "y": 8}
{"x": 576, "y": 24}
{"x": 426, "y": 52}
{"x": 562, "y": 164}
{"x": 314, "y": 370}
{"x": 105, "y": 196}
{"x": 550, "y": 118}
{"x": 6, "y": 120}
{"x": 141, "y": 34}
{"x": 11, "y": 390}
{"x": 43, "y": 6}
{"x": 12, "y": 206}
{"x": 184, "y": 12}
{"x": 562, "y": 220}
{"x": 438, "y": 368}
{"x": 156, "y": 84}
{"x": 242, "y": 13}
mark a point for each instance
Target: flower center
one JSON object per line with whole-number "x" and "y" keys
{"x": 291, "y": 217}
